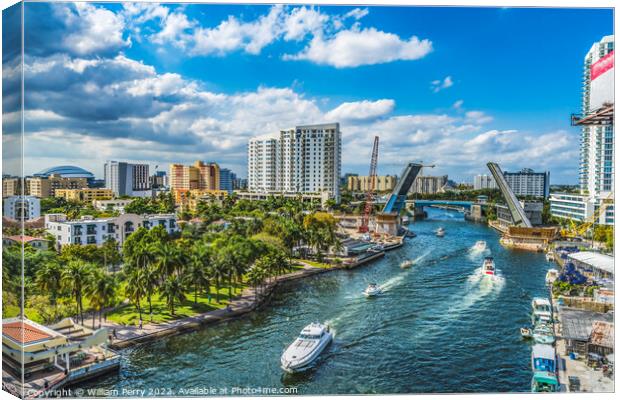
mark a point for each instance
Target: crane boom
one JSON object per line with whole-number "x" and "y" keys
{"x": 372, "y": 175}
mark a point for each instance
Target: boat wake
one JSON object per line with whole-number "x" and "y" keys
{"x": 393, "y": 282}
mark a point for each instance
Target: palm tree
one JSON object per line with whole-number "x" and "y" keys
{"x": 173, "y": 290}
{"x": 76, "y": 277}
{"x": 135, "y": 290}
{"x": 198, "y": 267}
{"x": 102, "y": 291}
{"x": 167, "y": 259}
{"x": 218, "y": 273}
{"x": 49, "y": 279}
{"x": 150, "y": 281}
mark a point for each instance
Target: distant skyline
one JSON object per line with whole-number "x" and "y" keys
{"x": 451, "y": 86}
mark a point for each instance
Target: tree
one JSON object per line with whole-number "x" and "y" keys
{"x": 321, "y": 232}
{"x": 198, "y": 266}
{"x": 49, "y": 279}
{"x": 110, "y": 253}
{"x": 167, "y": 256}
{"x": 102, "y": 291}
{"x": 172, "y": 291}
{"x": 150, "y": 281}
{"x": 135, "y": 290}
{"x": 76, "y": 277}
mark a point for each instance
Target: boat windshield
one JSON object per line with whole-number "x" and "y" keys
{"x": 309, "y": 337}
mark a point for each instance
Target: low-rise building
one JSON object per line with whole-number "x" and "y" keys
{"x": 97, "y": 230}
{"x": 571, "y": 206}
{"x": 383, "y": 183}
{"x": 187, "y": 200}
{"x": 37, "y": 243}
{"x": 112, "y": 205}
{"x": 85, "y": 194}
{"x": 533, "y": 211}
{"x": 11, "y": 186}
{"x": 576, "y": 327}
{"x": 23, "y": 208}
{"x": 42, "y": 187}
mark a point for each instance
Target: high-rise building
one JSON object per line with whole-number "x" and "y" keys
{"x": 528, "y": 183}
{"x": 226, "y": 180}
{"x": 125, "y": 178}
{"x": 159, "y": 180}
{"x": 428, "y": 184}
{"x": 200, "y": 175}
{"x": 305, "y": 159}
{"x": 596, "y": 167}
{"x": 484, "y": 182}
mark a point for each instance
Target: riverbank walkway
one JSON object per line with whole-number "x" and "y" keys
{"x": 127, "y": 335}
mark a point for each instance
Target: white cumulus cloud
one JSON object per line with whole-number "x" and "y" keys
{"x": 361, "y": 110}
{"x": 441, "y": 84}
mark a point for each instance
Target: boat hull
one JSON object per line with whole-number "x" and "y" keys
{"x": 306, "y": 362}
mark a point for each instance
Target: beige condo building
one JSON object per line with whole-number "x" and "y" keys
{"x": 383, "y": 183}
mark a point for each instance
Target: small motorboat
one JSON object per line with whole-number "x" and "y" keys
{"x": 550, "y": 256}
{"x": 311, "y": 342}
{"x": 541, "y": 310}
{"x": 543, "y": 337}
{"x": 406, "y": 264}
{"x": 488, "y": 267}
{"x": 552, "y": 275}
{"x": 372, "y": 290}
{"x": 440, "y": 232}
{"x": 526, "y": 333}
{"x": 480, "y": 245}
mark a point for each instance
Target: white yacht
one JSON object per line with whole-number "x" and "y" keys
{"x": 541, "y": 310}
{"x": 552, "y": 275}
{"x": 372, "y": 290}
{"x": 312, "y": 340}
{"x": 480, "y": 245}
{"x": 488, "y": 267}
{"x": 406, "y": 264}
{"x": 440, "y": 232}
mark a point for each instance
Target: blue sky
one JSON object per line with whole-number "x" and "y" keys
{"x": 456, "y": 87}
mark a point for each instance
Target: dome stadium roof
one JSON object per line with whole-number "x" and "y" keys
{"x": 66, "y": 171}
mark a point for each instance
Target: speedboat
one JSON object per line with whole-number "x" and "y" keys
{"x": 543, "y": 336}
{"x": 552, "y": 275}
{"x": 312, "y": 340}
{"x": 550, "y": 257}
{"x": 372, "y": 290}
{"x": 541, "y": 310}
{"x": 480, "y": 245}
{"x": 488, "y": 267}
{"x": 406, "y": 264}
{"x": 440, "y": 232}
{"x": 544, "y": 381}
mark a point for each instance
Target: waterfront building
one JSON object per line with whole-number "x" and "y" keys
{"x": 596, "y": 267}
{"x": 576, "y": 207}
{"x": 528, "y": 183}
{"x": 35, "y": 242}
{"x": 383, "y": 183}
{"x": 429, "y": 184}
{"x": 112, "y": 205}
{"x": 22, "y": 208}
{"x": 226, "y": 180}
{"x": 200, "y": 175}
{"x": 67, "y": 171}
{"x": 305, "y": 159}
{"x": 36, "y": 358}
{"x": 45, "y": 186}
{"x": 11, "y": 186}
{"x": 533, "y": 211}
{"x": 84, "y": 195}
{"x": 126, "y": 179}
{"x": 88, "y": 230}
{"x": 484, "y": 182}
{"x": 596, "y": 164}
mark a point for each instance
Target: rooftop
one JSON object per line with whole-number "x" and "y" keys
{"x": 602, "y": 334}
{"x": 25, "y": 331}
{"x": 23, "y": 238}
{"x": 596, "y": 260}
{"x": 543, "y": 351}
{"x": 577, "y": 324}
{"x": 66, "y": 171}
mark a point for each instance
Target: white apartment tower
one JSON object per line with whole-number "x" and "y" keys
{"x": 304, "y": 159}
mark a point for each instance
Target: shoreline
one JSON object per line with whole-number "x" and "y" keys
{"x": 240, "y": 306}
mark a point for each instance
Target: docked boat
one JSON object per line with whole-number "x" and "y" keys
{"x": 488, "y": 267}
{"x": 543, "y": 334}
{"x": 526, "y": 333}
{"x": 552, "y": 275}
{"x": 550, "y": 257}
{"x": 544, "y": 358}
{"x": 440, "y": 232}
{"x": 543, "y": 381}
{"x": 372, "y": 290}
{"x": 480, "y": 245}
{"x": 406, "y": 264}
{"x": 404, "y": 220}
{"x": 541, "y": 310}
{"x": 311, "y": 342}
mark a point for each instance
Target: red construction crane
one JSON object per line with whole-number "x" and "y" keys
{"x": 372, "y": 175}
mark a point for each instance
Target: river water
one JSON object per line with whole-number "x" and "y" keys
{"x": 436, "y": 328}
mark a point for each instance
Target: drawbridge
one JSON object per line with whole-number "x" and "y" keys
{"x": 517, "y": 212}
{"x": 397, "y": 199}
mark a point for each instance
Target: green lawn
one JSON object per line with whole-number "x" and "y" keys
{"x": 127, "y": 314}
{"x": 315, "y": 263}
